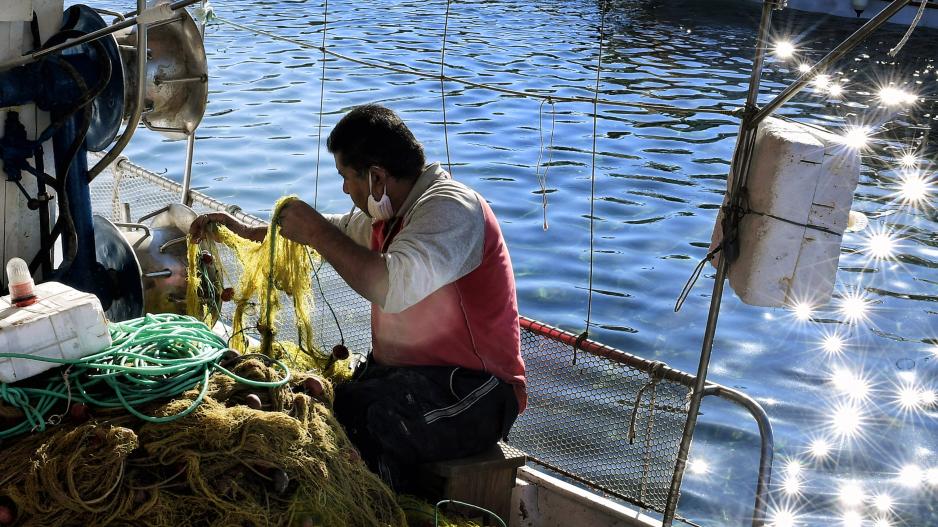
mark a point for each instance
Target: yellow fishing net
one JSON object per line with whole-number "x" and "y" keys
{"x": 276, "y": 265}
{"x": 287, "y": 463}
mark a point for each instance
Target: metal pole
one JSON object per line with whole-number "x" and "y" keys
{"x": 33, "y": 57}
{"x": 838, "y": 52}
{"x": 740, "y": 160}
{"x": 190, "y": 136}
{"x": 134, "y": 118}
{"x": 187, "y": 174}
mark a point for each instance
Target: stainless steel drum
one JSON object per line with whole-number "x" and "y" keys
{"x": 176, "y": 78}
{"x": 159, "y": 241}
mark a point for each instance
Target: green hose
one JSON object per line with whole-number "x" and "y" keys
{"x": 152, "y": 358}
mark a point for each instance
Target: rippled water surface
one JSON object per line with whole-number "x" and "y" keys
{"x": 659, "y": 179}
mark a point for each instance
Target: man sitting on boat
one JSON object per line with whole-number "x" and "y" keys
{"x": 445, "y": 378}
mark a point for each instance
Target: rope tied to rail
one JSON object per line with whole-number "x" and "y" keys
{"x": 592, "y": 217}
{"x": 578, "y": 343}
{"x": 655, "y": 375}
{"x": 692, "y": 280}
{"x": 905, "y": 38}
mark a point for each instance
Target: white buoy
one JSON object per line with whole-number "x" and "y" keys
{"x": 64, "y": 323}
{"x": 800, "y": 188}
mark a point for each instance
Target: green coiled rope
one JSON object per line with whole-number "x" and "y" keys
{"x": 152, "y": 358}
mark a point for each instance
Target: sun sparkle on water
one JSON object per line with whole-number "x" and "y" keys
{"x": 699, "y": 466}
{"x": 914, "y": 188}
{"x": 910, "y": 397}
{"x": 883, "y": 502}
{"x": 892, "y": 96}
{"x": 802, "y": 311}
{"x": 910, "y": 476}
{"x": 851, "y": 384}
{"x": 832, "y": 344}
{"x": 854, "y": 307}
{"x": 881, "y": 245}
{"x": 784, "y": 49}
{"x": 820, "y": 448}
{"x": 783, "y": 518}
{"x": 851, "y": 493}
{"x": 822, "y": 81}
{"x": 846, "y": 421}
{"x": 855, "y": 137}
{"x": 852, "y": 519}
{"x": 908, "y": 160}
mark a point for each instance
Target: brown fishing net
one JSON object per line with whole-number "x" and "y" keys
{"x": 226, "y": 464}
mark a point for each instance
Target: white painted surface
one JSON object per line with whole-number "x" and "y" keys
{"x": 16, "y": 10}
{"x": 539, "y": 500}
{"x": 19, "y": 225}
{"x": 64, "y": 324}
{"x": 806, "y": 176}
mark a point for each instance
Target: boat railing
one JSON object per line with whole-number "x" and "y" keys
{"x": 607, "y": 419}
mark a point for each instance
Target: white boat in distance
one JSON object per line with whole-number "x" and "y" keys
{"x": 867, "y": 9}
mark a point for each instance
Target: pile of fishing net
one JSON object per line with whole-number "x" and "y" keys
{"x": 243, "y": 457}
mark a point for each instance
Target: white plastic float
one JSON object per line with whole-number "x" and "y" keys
{"x": 63, "y": 323}
{"x": 800, "y": 188}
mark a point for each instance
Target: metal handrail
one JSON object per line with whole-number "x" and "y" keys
{"x": 767, "y": 449}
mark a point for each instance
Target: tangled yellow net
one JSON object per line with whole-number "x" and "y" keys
{"x": 275, "y": 265}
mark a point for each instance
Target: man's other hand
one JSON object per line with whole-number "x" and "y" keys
{"x": 202, "y": 228}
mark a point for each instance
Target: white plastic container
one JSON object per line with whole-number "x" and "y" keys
{"x": 808, "y": 177}
{"x": 64, "y": 323}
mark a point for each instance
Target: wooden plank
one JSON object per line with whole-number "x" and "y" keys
{"x": 484, "y": 480}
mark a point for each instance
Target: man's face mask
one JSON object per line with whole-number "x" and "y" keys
{"x": 379, "y": 210}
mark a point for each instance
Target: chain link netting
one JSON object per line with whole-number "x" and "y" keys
{"x": 606, "y": 422}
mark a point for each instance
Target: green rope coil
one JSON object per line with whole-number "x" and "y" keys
{"x": 152, "y": 358}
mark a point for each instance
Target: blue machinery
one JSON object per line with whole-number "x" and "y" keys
{"x": 78, "y": 77}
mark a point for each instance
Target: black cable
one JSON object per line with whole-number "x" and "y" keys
{"x": 323, "y": 295}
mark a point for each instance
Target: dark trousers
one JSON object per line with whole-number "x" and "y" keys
{"x": 401, "y": 417}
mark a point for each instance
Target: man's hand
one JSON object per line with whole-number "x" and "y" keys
{"x": 202, "y": 227}
{"x": 296, "y": 220}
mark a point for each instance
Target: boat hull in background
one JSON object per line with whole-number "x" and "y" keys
{"x": 847, "y": 9}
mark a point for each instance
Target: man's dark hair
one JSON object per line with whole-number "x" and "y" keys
{"x": 374, "y": 135}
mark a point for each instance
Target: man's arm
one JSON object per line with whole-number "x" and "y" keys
{"x": 201, "y": 225}
{"x": 363, "y": 270}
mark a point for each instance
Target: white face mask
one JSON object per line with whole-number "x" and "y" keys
{"x": 379, "y": 210}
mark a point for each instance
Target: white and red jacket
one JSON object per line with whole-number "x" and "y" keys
{"x": 451, "y": 290}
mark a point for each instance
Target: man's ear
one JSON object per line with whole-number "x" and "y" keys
{"x": 378, "y": 172}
